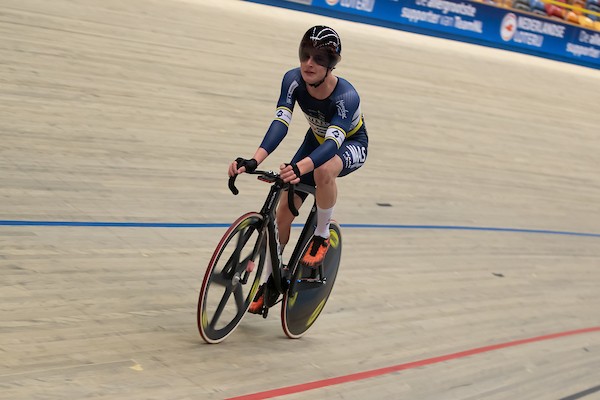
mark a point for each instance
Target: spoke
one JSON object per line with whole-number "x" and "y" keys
{"x": 219, "y": 279}
{"x": 233, "y": 263}
{"x": 235, "y": 257}
{"x": 238, "y": 294}
{"x": 220, "y": 308}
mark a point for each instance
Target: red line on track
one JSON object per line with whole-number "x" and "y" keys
{"x": 394, "y": 368}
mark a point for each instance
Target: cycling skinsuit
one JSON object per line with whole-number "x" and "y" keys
{"x": 337, "y": 125}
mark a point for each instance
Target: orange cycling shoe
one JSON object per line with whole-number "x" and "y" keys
{"x": 316, "y": 251}
{"x": 257, "y": 305}
{"x": 259, "y": 300}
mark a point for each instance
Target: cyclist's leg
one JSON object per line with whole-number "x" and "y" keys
{"x": 326, "y": 193}
{"x": 351, "y": 156}
{"x": 326, "y": 196}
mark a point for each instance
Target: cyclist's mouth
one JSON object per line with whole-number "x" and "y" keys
{"x": 309, "y": 74}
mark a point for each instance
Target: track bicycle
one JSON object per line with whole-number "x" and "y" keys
{"x": 235, "y": 270}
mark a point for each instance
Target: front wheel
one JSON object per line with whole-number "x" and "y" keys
{"x": 305, "y": 300}
{"x": 232, "y": 278}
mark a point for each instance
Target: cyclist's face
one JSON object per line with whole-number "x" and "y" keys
{"x": 313, "y": 64}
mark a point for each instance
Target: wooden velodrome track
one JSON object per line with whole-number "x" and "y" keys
{"x": 129, "y": 112}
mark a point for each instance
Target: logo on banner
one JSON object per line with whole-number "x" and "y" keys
{"x": 508, "y": 27}
{"x": 360, "y": 5}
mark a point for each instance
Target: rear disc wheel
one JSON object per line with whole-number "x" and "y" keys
{"x": 304, "y": 301}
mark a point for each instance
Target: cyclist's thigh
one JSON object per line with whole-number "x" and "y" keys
{"x": 353, "y": 153}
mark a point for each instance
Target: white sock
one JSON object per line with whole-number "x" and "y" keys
{"x": 268, "y": 268}
{"x": 323, "y": 219}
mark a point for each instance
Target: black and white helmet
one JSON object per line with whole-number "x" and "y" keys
{"x": 322, "y": 37}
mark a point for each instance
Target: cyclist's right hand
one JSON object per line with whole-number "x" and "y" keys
{"x": 241, "y": 165}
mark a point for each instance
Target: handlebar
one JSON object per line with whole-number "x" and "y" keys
{"x": 271, "y": 177}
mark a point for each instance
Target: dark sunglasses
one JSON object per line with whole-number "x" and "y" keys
{"x": 319, "y": 56}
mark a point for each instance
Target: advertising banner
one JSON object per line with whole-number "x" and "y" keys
{"x": 472, "y": 22}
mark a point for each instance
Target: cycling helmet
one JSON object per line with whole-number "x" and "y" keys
{"x": 324, "y": 38}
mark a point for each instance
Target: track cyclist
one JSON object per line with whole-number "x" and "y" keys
{"x": 334, "y": 146}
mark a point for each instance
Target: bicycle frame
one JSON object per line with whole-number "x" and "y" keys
{"x": 281, "y": 275}
{"x": 269, "y": 229}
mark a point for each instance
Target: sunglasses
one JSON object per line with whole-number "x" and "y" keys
{"x": 319, "y": 56}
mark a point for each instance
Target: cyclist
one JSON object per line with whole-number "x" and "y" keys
{"x": 335, "y": 144}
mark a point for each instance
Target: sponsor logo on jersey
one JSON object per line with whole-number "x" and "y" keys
{"x": 290, "y": 92}
{"x": 354, "y": 156}
{"x": 317, "y": 124}
{"x": 341, "y": 108}
{"x": 284, "y": 115}
{"x": 336, "y": 133}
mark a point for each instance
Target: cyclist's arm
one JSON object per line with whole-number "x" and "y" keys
{"x": 260, "y": 155}
{"x": 345, "y": 121}
{"x": 318, "y": 157}
{"x": 277, "y": 130}
{"x": 283, "y": 115}
{"x": 279, "y": 126}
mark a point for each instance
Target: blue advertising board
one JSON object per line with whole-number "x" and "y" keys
{"x": 467, "y": 21}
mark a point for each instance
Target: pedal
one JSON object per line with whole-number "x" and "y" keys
{"x": 271, "y": 293}
{"x": 310, "y": 283}
{"x": 315, "y": 272}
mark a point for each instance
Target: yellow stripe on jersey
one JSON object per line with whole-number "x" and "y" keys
{"x": 356, "y": 128}
{"x": 319, "y": 138}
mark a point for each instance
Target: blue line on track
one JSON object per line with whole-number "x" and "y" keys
{"x": 345, "y": 226}
{"x": 113, "y": 224}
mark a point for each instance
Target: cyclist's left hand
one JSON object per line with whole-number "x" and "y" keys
{"x": 289, "y": 173}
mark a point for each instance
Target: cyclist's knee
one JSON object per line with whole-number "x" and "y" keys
{"x": 326, "y": 173}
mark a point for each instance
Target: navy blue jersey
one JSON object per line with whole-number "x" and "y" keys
{"x": 331, "y": 120}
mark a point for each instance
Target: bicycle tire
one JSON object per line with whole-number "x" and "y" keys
{"x": 300, "y": 308}
{"x": 217, "y": 314}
